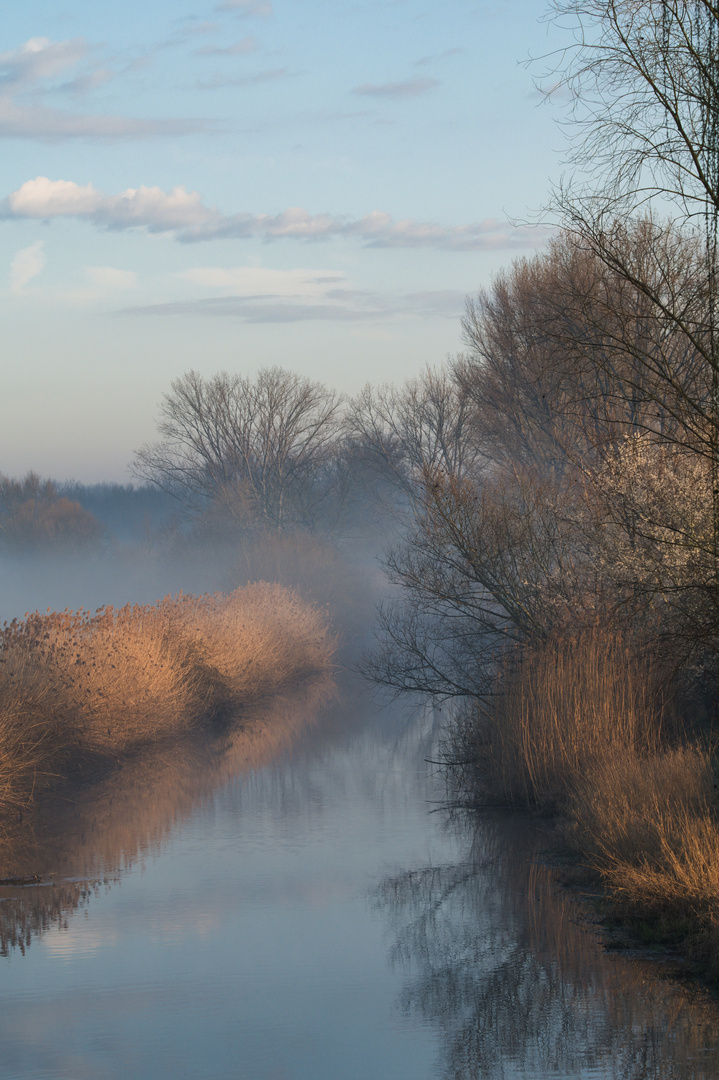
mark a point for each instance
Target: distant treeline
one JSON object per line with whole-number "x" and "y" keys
{"x": 39, "y": 515}
{"x": 127, "y": 511}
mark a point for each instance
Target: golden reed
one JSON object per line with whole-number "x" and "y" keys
{"x": 81, "y": 687}
{"x": 579, "y": 727}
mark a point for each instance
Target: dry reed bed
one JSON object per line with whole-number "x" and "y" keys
{"x": 579, "y": 728}
{"x": 76, "y": 687}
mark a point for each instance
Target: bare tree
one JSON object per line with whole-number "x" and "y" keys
{"x": 404, "y": 433}
{"x": 547, "y": 518}
{"x": 263, "y": 448}
{"x": 644, "y": 79}
{"x": 566, "y": 355}
{"x": 482, "y": 564}
{"x": 485, "y": 553}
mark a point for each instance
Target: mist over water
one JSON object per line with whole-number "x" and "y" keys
{"x": 345, "y": 577}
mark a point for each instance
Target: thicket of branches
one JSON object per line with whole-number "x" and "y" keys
{"x": 579, "y": 486}
{"x": 257, "y": 452}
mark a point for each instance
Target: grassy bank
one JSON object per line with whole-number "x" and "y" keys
{"x": 581, "y": 729}
{"x": 80, "y": 689}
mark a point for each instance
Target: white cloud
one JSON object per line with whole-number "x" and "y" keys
{"x": 150, "y": 207}
{"x": 26, "y": 265}
{"x": 183, "y": 213}
{"x": 376, "y": 229}
{"x": 409, "y": 88}
{"x": 110, "y": 277}
{"x": 39, "y": 59}
{"x": 45, "y": 198}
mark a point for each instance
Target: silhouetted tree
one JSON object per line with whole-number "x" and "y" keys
{"x": 263, "y": 451}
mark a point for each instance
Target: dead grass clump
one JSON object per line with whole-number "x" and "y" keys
{"x": 631, "y": 808}
{"x": 649, "y": 825}
{"x": 561, "y": 707}
{"x": 75, "y": 684}
{"x": 253, "y": 641}
{"x": 579, "y": 727}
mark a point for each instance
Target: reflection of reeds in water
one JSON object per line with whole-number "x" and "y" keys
{"x": 78, "y": 688}
{"x": 105, "y": 829}
{"x": 500, "y": 965}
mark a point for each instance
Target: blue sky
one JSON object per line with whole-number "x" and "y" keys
{"x": 311, "y": 183}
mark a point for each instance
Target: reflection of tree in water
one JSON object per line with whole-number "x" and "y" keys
{"x": 516, "y": 987}
{"x": 86, "y": 840}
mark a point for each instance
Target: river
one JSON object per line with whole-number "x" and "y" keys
{"x": 295, "y": 904}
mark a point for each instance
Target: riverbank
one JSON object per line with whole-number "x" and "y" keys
{"x": 582, "y": 729}
{"x": 81, "y": 692}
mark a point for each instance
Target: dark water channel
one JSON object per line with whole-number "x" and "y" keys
{"x": 292, "y": 906}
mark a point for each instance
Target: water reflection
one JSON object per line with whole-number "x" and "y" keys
{"x": 501, "y": 963}
{"x": 80, "y": 843}
{"x": 247, "y": 947}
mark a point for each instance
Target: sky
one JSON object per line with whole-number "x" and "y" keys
{"x": 314, "y": 184}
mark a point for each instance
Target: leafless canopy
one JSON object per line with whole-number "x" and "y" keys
{"x": 643, "y": 76}
{"x": 260, "y": 446}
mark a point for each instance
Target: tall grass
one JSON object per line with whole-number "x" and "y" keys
{"x": 559, "y": 709}
{"x": 649, "y": 826}
{"x": 76, "y": 686}
{"x": 579, "y": 727}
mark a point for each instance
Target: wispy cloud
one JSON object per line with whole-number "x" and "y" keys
{"x": 55, "y": 125}
{"x": 239, "y": 48}
{"x": 334, "y": 305}
{"x": 433, "y": 57}
{"x": 255, "y": 281}
{"x": 183, "y": 214}
{"x": 190, "y": 28}
{"x": 197, "y": 29}
{"x": 85, "y": 84}
{"x": 30, "y": 71}
{"x": 247, "y": 8}
{"x": 408, "y": 88}
{"x": 39, "y": 59}
{"x": 268, "y": 75}
{"x": 26, "y": 265}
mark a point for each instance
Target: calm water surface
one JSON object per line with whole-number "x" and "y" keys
{"x": 295, "y": 907}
